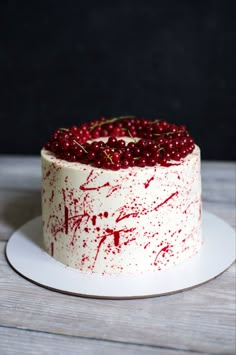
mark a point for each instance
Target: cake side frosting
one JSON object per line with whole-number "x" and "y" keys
{"x": 127, "y": 221}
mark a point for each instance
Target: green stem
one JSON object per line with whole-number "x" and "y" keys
{"x": 108, "y": 157}
{"x": 129, "y": 133}
{"x": 166, "y": 133}
{"x": 155, "y": 121}
{"x": 80, "y": 146}
{"x": 114, "y": 119}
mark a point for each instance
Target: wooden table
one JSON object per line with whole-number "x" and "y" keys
{"x": 35, "y": 320}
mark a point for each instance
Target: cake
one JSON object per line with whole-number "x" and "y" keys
{"x": 121, "y": 196}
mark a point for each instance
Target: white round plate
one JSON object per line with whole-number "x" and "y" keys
{"x": 26, "y": 255}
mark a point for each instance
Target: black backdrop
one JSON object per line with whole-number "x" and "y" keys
{"x": 63, "y": 62}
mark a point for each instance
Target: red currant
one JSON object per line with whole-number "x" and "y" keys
{"x": 154, "y": 142}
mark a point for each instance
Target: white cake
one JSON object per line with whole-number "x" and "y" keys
{"x": 129, "y": 221}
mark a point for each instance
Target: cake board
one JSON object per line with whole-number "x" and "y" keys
{"x": 26, "y": 255}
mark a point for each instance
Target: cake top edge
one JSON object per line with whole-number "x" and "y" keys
{"x": 122, "y": 142}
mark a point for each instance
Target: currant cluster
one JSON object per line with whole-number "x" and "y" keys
{"x": 151, "y": 142}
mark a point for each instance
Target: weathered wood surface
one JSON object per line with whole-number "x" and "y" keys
{"x": 34, "y": 320}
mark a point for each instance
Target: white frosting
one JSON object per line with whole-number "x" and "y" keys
{"x": 127, "y": 221}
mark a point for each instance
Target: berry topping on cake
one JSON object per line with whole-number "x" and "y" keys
{"x": 122, "y": 142}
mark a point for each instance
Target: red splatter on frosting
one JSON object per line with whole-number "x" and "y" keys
{"x": 147, "y": 183}
{"x": 116, "y": 239}
{"x": 52, "y": 248}
{"x": 52, "y": 196}
{"x": 119, "y": 218}
{"x": 66, "y": 219}
{"x": 163, "y": 251}
{"x": 166, "y": 200}
{"x": 94, "y": 218}
{"x": 83, "y": 188}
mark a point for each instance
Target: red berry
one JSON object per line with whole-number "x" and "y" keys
{"x": 116, "y": 166}
{"x": 120, "y": 143}
{"x": 95, "y": 146}
{"x": 162, "y": 161}
{"x": 47, "y": 145}
{"x": 73, "y": 158}
{"x": 136, "y": 151}
{"x": 115, "y": 157}
{"x": 84, "y": 127}
{"x": 176, "y": 156}
{"x": 97, "y": 163}
{"x": 65, "y": 145}
{"x": 95, "y": 133}
{"x": 112, "y": 142}
{"x": 141, "y": 162}
{"x": 183, "y": 152}
{"x": 153, "y": 147}
{"x": 182, "y": 128}
{"x": 79, "y": 152}
{"x": 127, "y": 155}
{"x": 115, "y": 132}
{"x": 125, "y": 163}
{"x": 91, "y": 155}
{"x": 142, "y": 144}
{"x": 107, "y": 164}
{"x": 155, "y": 156}
{"x": 145, "y": 154}
{"x": 131, "y": 162}
{"x": 176, "y": 143}
{"x": 109, "y": 127}
{"x": 104, "y": 133}
{"x": 131, "y": 145}
{"x": 151, "y": 161}
{"x": 159, "y": 142}
{"x": 74, "y": 129}
{"x": 55, "y": 146}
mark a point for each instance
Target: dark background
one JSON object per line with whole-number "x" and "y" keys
{"x": 64, "y": 62}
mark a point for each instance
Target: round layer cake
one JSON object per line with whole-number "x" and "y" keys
{"x": 127, "y": 220}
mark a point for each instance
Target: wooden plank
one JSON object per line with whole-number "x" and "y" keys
{"x": 201, "y": 319}
{"x": 20, "y": 341}
{"x": 219, "y": 182}
{"x": 20, "y": 198}
{"x": 16, "y": 208}
{"x": 20, "y": 172}
{"x": 24, "y": 172}
{"x": 223, "y": 211}
{"x": 20, "y": 206}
